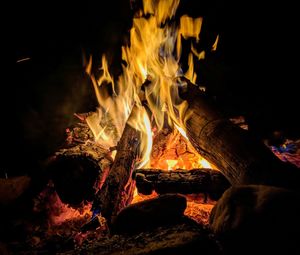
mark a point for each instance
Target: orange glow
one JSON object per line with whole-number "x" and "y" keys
{"x": 178, "y": 153}
{"x": 153, "y": 55}
{"x": 196, "y": 210}
{"x": 60, "y": 212}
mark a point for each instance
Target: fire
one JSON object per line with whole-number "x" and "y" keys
{"x": 153, "y": 55}
{"x": 149, "y": 82}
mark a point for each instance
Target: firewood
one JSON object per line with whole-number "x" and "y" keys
{"x": 261, "y": 219}
{"x": 238, "y": 154}
{"x": 204, "y": 180}
{"x": 78, "y": 169}
{"x": 117, "y": 190}
{"x": 149, "y": 214}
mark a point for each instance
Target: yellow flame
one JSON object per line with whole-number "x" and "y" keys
{"x": 204, "y": 163}
{"x": 214, "y": 47}
{"x": 190, "y": 74}
{"x": 151, "y": 54}
{"x": 171, "y": 163}
{"x": 199, "y": 55}
{"x": 190, "y": 27}
{"x": 182, "y": 132}
{"x": 161, "y": 9}
{"x": 140, "y": 121}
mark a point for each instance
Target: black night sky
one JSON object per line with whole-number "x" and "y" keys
{"x": 253, "y": 73}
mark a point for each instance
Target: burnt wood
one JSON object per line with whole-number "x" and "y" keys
{"x": 117, "y": 190}
{"x": 239, "y": 155}
{"x": 166, "y": 209}
{"x": 204, "y": 180}
{"x": 78, "y": 168}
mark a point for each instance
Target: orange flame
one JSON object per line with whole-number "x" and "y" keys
{"x": 149, "y": 55}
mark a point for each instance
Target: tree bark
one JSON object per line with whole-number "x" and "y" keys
{"x": 240, "y": 156}
{"x": 78, "y": 169}
{"x": 117, "y": 190}
{"x": 208, "y": 181}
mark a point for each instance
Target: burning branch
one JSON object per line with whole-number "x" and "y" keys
{"x": 117, "y": 190}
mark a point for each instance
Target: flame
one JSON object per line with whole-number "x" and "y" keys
{"x": 140, "y": 121}
{"x": 150, "y": 55}
{"x": 204, "y": 163}
{"x": 214, "y": 47}
{"x": 171, "y": 163}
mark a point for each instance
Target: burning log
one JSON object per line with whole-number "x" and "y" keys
{"x": 237, "y": 154}
{"x": 78, "y": 170}
{"x": 204, "y": 180}
{"x": 117, "y": 190}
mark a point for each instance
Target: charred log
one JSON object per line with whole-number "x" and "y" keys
{"x": 240, "y": 156}
{"x": 146, "y": 215}
{"x": 78, "y": 169}
{"x": 117, "y": 190}
{"x": 204, "y": 180}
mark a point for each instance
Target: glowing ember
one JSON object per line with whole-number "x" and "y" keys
{"x": 196, "y": 209}
{"x": 173, "y": 152}
{"x": 58, "y": 212}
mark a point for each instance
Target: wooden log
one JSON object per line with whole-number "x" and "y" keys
{"x": 240, "y": 156}
{"x": 166, "y": 209}
{"x": 204, "y": 180}
{"x": 117, "y": 190}
{"x": 78, "y": 169}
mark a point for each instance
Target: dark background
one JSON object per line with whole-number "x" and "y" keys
{"x": 254, "y": 71}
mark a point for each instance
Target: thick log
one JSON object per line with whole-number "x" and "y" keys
{"x": 261, "y": 219}
{"x": 204, "y": 180}
{"x": 240, "y": 156}
{"x": 78, "y": 169}
{"x": 151, "y": 213}
{"x": 117, "y": 190}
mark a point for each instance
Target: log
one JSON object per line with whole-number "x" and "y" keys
{"x": 238, "y": 154}
{"x": 204, "y": 180}
{"x": 117, "y": 190}
{"x": 146, "y": 215}
{"x": 78, "y": 169}
{"x": 261, "y": 219}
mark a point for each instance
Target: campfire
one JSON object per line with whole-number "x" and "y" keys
{"x": 155, "y": 167}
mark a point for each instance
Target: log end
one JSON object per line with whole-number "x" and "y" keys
{"x": 74, "y": 178}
